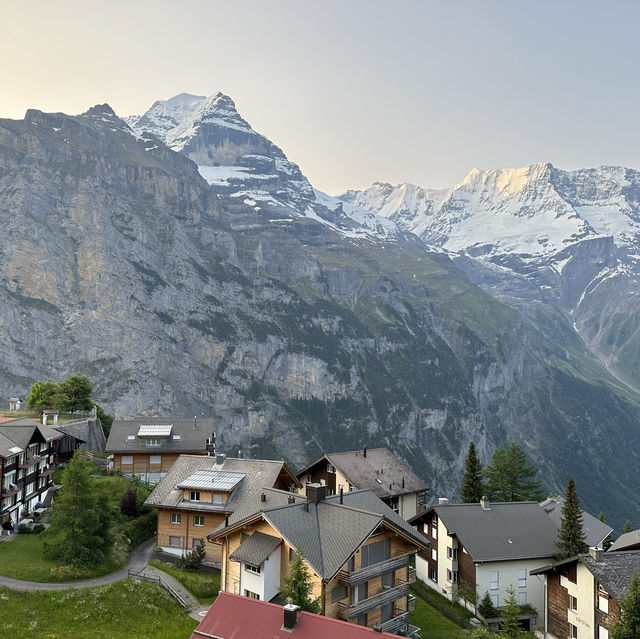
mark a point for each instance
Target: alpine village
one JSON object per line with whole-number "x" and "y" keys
{"x": 233, "y": 406}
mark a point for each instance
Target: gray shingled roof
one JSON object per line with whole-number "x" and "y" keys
{"x": 595, "y": 530}
{"x": 191, "y": 439}
{"x": 626, "y": 540}
{"x": 508, "y": 530}
{"x": 260, "y": 474}
{"x": 615, "y": 570}
{"x": 255, "y": 548}
{"x": 380, "y": 471}
{"x": 19, "y": 432}
{"x": 328, "y": 532}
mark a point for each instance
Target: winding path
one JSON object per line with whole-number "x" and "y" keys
{"x": 138, "y": 559}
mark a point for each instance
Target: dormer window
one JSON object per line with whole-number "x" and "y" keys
{"x": 195, "y": 495}
{"x": 152, "y": 441}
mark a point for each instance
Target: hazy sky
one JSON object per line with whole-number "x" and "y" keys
{"x": 352, "y": 90}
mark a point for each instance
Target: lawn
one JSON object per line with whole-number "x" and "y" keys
{"x": 432, "y": 624}
{"x": 204, "y": 587}
{"x": 125, "y": 610}
{"x": 22, "y": 558}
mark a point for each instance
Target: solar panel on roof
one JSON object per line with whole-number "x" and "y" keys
{"x": 155, "y": 430}
{"x": 213, "y": 480}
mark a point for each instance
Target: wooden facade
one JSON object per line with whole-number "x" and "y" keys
{"x": 144, "y": 463}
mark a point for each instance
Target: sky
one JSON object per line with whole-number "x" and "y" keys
{"x": 354, "y": 91}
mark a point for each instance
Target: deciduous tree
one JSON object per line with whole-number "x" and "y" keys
{"x": 298, "y": 586}
{"x": 571, "y": 535}
{"x": 509, "y": 476}
{"x": 472, "y": 487}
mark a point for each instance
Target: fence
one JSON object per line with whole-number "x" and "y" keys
{"x": 161, "y": 582}
{"x": 423, "y": 593}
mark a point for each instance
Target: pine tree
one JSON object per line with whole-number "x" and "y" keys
{"x": 627, "y": 624}
{"x": 627, "y": 527}
{"x": 510, "y": 478}
{"x": 298, "y": 586}
{"x": 486, "y": 607}
{"x": 80, "y": 530}
{"x": 510, "y": 626}
{"x": 571, "y": 536}
{"x": 472, "y": 487}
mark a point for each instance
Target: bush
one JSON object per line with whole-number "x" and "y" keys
{"x": 138, "y": 530}
{"x": 192, "y": 560}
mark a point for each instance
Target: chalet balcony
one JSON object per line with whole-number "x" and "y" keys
{"x": 10, "y": 491}
{"x": 31, "y": 461}
{"x": 47, "y": 470}
{"x": 397, "y": 624}
{"x": 411, "y": 578}
{"x": 370, "y": 572}
{"x": 390, "y": 595}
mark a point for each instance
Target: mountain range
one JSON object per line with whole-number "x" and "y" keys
{"x": 187, "y": 267}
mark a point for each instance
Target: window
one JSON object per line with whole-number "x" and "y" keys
{"x": 216, "y": 498}
{"x": 434, "y": 575}
{"x": 375, "y": 553}
{"x": 338, "y": 593}
{"x": 573, "y": 631}
{"x": 434, "y": 532}
{"x": 434, "y": 519}
{"x": 494, "y": 580}
{"x": 360, "y": 592}
{"x": 340, "y": 487}
{"x": 452, "y": 576}
{"x": 351, "y": 565}
{"x": 573, "y": 602}
{"x": 603, "y": 633}
{"x": 127, "y": 460}
{"x": 522, "y": 578}
{"x": 292, "y": 554}
{"x": 254, "y": 569}
{"x": 176, "y": 518}
{"x": 330, "y": 468}
{"x": 603, "y": 604}
{"x": 452, "y": 553}
{"x": 174, "y": 541}
{"x": 495, "y": 600}
{"x": 198, "y": 520}
{"x": 425, "y": 529}
{"x": 251, "y": 595}
{"x": 155, "y": 459}
{"x": 434, "y": 554}
{"x": 197, "y": 543}
{"x": 195, "y": 495}
{"x": 153, "y": 441}
{"x": 522, "y": 598}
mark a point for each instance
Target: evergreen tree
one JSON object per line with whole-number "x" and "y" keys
{"x": 571, "y": 536}
{"x": 627, "y": 527}
{"x": 298, "y": 586}
{"x": 627, "y": 623}
{"x": 80, "y": 530}
{"x": 472, "y": 487}
{"x": 510, "y": 478}
{"x": 510, "y": 626}
{"x": 486, "y": 607}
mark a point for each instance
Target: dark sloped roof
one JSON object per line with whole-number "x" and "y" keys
{"x": 595, "y": 530}
{"x": 380, "y": 471}
{"x": 19, "y": 432}
{"x": 8, "y": 448}
{"x": 626, "y": 540}
{"x": 508, "y": 530}
{"x": 330, "y": 532}
{"x": 191, "y": 439}
{"x": 255, "y": 548}
{"x": 615, "y": 570}
{"x": 260, "y": 476}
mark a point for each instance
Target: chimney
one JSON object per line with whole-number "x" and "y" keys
{"x": 341, "y": 495}
{"x": 226, "y": 520}
{"x": 596, "y": 553}
{"x": 316, "y": 492}
{"x": 291, "y": 499}
{"x": 364, "y": 451}
{"x": 263, "y": 497}
{"x": 443, "y": 500}
{"x": 210, "y": 446}
{"x": 290, "y": 617}
{"x": 220, "y": 457}
{"x": 485, "y": 504}
{"x": 44, "y": 419}
{"x": 403, "y": 482}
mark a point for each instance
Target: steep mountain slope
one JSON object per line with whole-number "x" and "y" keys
{"x": 538, "y": 235}
{"x": 296, "y": 332}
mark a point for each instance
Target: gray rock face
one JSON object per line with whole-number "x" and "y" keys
{"x": 120, "y": 262}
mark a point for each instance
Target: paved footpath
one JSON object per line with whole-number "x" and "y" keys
{"x": 138, "y": 559}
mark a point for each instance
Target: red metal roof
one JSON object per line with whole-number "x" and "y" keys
{"x": 237, "y": 617}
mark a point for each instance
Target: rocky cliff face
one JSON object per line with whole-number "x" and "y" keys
{"x": 299, "y": 331}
